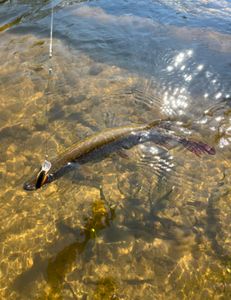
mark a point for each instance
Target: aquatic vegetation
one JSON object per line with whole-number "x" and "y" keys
{"x": 58, "y": 267}
{"x": 105, "y": 289}
{"x": 11, "y": 24}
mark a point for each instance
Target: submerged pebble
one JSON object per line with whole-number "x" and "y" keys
{"x": 95, "y": 70}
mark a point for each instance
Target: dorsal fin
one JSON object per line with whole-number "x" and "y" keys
{"x": 158, "y": 122}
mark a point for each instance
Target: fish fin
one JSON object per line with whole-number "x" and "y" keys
{"x": 124, "y": 153}
{"x": 223, "y": 105}
{"x": 197, "y": 147}
{"x": 160, "y": 123}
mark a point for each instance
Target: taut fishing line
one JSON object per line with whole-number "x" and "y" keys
{"x": 51, "y": 32}
{"x": 50, "y": 70}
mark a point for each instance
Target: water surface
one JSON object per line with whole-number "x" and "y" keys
{"x": 153, "y": 225}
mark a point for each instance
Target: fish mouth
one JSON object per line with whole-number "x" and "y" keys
{"x": 28, "y": 186}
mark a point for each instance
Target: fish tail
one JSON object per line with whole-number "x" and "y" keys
{"x": 197, "y": 147}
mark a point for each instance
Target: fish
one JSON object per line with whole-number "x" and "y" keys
{"x": 102, "y": 144}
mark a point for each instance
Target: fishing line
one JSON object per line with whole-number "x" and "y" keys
{"x": 46, "y": 165}
{"x": 51, "y": 31}
{"x": 50, "y": 71}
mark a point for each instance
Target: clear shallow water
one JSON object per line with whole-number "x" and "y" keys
{"x": 156, "y": 225}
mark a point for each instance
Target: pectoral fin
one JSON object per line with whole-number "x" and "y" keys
{"x": 124, "y": 153}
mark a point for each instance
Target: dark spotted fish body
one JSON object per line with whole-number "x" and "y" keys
{"x": 111, "y": 140}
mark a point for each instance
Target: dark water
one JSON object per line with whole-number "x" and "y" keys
{"x": 150, "y": 224}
